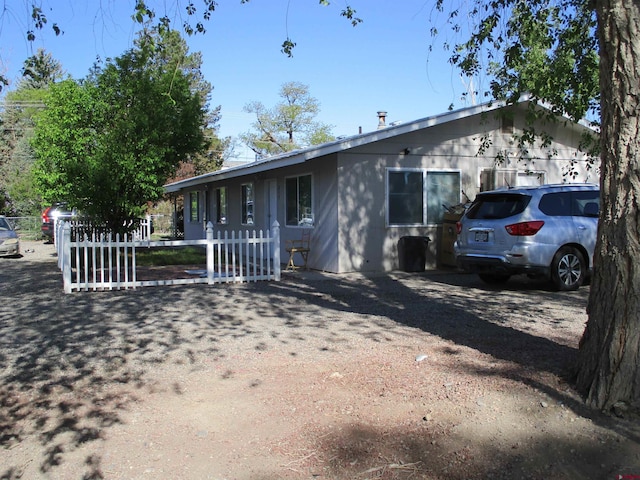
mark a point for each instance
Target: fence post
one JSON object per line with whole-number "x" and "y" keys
{"x": 66, "y": 256}
{"x": 57, "y": 231}
{"x": 209, "y": 253}
{"x": 275, "y": 234}
{"x": 148, "y": 228}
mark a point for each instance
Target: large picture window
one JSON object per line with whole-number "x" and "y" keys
{"x": 221, "y": 205}
{"x": 416, "y": 196}
{"x": 194, "y": 207}
{"x": 247, "y": 204}
{"x": 299, "y": 201}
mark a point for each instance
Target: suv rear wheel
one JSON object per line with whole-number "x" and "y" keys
{"x": 568, "y": 269}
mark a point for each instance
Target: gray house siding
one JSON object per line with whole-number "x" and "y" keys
{"x": 324, "y": 238}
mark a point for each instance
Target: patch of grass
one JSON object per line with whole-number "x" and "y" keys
{"x": 158, "y": 256}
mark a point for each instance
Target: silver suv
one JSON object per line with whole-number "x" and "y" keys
{"x": 548, "y": 231}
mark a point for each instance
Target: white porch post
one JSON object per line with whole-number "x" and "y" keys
{"x": 210, "y": 261}
{"x": 275, "y": 234}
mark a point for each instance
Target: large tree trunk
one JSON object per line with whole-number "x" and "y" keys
{"x": 609, "y": 357}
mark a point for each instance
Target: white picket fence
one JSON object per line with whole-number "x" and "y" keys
{"x": 103, "y": 262}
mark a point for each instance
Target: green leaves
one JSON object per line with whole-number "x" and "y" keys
{"x": 287, "y": 47}
{"x": 350, "y": 13}
{"x": 109, "y": 143}
{"x": 544, "y": 49}
{"x": 547, "y": 49}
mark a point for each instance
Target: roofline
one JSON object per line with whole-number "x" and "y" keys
{"x": 296, "y": 157}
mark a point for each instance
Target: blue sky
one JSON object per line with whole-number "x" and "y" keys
{"x": 382, "y": 64}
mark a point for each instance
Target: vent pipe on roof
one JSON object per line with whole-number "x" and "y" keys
{"x": 382, "y": 118}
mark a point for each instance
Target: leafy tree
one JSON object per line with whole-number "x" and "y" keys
{"x": 580, "y": 57}
{"x": 40, "y": 70}
{"x": 16, "y": 120}
{"x": 107, "y": 144}
{"x": 172, "y": 53}
{"x": 275, "y": 129}
{"x": 18, "y": 185}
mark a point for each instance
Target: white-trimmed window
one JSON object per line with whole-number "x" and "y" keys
{"x": 416, "y": 197}
{"x": 194, "y": 207}
{"x": 247, "y": 204}
{"x": 493, "y": 178}
{"x": 299, "y": 201}
{"x": 221, "y": 205}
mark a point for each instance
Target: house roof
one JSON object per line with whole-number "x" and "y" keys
{"x": 295, "y": 157}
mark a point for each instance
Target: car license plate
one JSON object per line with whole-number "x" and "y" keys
{"x": 482, "y": 236}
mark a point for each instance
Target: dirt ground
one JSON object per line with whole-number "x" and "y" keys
{"x": 395, "y": 376}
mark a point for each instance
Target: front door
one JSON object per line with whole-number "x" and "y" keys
{"x": 271, "y": 201}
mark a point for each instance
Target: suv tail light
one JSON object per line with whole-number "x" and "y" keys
{"x": 45, "y": 215}
{"x": 524, "y": 229}
{"x": 458, "y": 228}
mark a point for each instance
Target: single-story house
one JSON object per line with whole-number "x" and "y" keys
{"x": 361, "y": 194}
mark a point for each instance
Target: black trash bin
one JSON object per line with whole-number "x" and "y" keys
{"x": 412, "y": 253}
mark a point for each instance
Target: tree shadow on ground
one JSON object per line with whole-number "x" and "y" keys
{"x": 74, "y": 363}
{"x": 362, "y": 451}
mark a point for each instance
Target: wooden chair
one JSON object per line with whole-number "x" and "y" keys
{"x": 301, "y": 246}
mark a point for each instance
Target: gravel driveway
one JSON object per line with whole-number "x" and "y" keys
{"x": 431, "y": 376}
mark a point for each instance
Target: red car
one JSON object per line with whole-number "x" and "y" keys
{"x": 56, "y": 211}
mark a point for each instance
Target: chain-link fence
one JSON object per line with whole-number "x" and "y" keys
{"x": 28, "y": 228}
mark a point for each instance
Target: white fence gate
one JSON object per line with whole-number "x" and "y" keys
{"x": 103, "y": 262}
